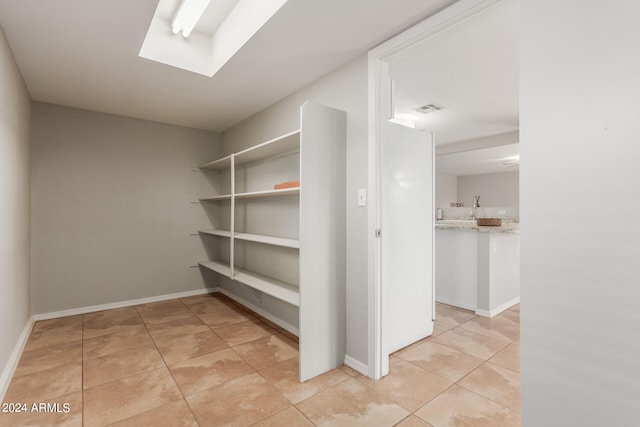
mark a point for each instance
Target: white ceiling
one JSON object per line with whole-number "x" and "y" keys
{"x": 84, "y": 53}
{"x": 503, "y": 158}
{"x": 471, "y": 69}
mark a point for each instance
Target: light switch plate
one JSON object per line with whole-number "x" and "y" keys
{"x": 362, "y": 197}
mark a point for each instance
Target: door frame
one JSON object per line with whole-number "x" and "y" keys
{"x": 380, "y": 106}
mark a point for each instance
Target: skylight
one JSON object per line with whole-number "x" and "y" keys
{"x": 188, "y": 14}
{"x": 224, "y": 26}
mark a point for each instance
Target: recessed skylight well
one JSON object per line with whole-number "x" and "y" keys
{"x": 216, "y": 31}
{"x": 188, "y": 15}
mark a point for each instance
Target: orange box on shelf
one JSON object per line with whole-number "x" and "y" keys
{"x": 288, "y": 184}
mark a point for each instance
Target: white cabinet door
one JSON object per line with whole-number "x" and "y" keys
{"x": 407, "y": 182}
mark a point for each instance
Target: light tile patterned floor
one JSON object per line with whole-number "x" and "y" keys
{"x": 205, "y": 361}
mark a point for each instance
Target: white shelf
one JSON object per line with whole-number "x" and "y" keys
{"x": 215, "y": 198}
{"x": 222, "y": 163}
{"x": 283, "y": 291}
{"x": 215, "y": 232}
{"x": 258, "y": 238}
{"x": 315, "y": 155}
{"x": 280, "y": 146}
{"x": 216, "y": 266}
{"x": 285, "y": 144}
{"x": 268, "y": 193}
{"x": 268, "y": 240}
{"x": 253, "y": 194}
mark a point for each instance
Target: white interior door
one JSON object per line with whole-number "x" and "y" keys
{"x": 406, "y": 218}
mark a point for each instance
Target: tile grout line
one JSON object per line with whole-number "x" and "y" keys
{"x": 425, "y": 403}
{"x": 488, "y": 398}
{"x": 184, "y": 398}
{"x": 467, "y": 374}
{"x": 478, "y": 367}
{"x": 431, "y": 400}
{"x": 484, "y": 335}
{"x": 276, "y": 332}
{"x": 144, "y": 324}
{"x": 321, "y": 391}
{"x": 256, "y": 371}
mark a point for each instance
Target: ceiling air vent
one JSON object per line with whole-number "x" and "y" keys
{"x": 429, "y": 108}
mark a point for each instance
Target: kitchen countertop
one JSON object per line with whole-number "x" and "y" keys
{"x": 471, "y": 225}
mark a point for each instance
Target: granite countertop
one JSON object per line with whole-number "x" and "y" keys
{"x": 471, "y": 225}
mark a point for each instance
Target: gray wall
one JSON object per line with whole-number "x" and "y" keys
{"x": 495, "y": 189}
{"x": 15, "y": 107}
{"x": 344, "y": 89}
{"x": 580, "y": 277}
{"x": 110, "y": 207}
{"x": 446, "y": 189}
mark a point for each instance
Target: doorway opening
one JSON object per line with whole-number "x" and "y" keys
{"x": 460, "y": 67}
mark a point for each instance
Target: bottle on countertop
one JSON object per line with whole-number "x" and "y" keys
{"x": 439, "y": 214}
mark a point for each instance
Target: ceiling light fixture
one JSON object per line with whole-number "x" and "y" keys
{"x": 189, "y": 13}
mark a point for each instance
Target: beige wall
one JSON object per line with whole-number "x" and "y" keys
{"x": 111, "y": 211}
{"x": 446, "y": 189}
{"x": 495, "y": 189}
{"x": 15, "y": 107}
{"x": 344, "y": 89}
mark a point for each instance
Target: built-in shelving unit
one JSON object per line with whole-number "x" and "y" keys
{"x": 267, "y": 240}
{"x": 268, "y": 228}
{"x": 217, "y": 266}
{"x": 268, "y": 193}
{"x": 222, "y": 163}
{"x": 280, "y": 146}
{"x": 214, "y": 198}
{"x": 270, "y": 286}
{"x": 215, "y": 232}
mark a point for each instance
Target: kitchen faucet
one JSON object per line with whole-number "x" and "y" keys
{"x": 476, "y": 205}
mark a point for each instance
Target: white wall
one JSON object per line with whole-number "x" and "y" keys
{"x": 579, "y": 130}
{"x": 495, "y": 189}
{"x": 15, "y": 109}
{"x": 344, "y": 89}
{"x": 111, "y": 211}
{"x": 446, "y": 189}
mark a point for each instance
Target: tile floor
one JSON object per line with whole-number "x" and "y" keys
{"x": 205, "y": 361}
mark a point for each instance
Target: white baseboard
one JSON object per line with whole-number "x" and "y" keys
{"x": 12, "y": 363}
{"x": 494, "y": 312}
{"x": 456, "y": 303}
{"x": 121, "y": 304}
{"x": 284, "y": 325}
{"x": 356, "y": 365}
{"x": 101, "y": 307}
